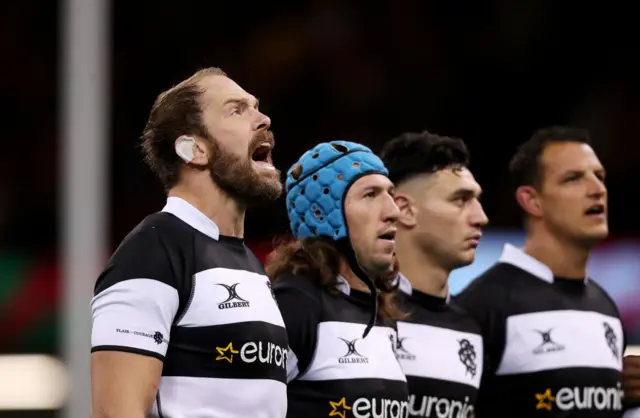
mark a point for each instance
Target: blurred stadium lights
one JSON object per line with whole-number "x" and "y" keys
{"x": 37, "y": 382}
{"x": 84, "y": 122}
{"x": 32, "y": 382}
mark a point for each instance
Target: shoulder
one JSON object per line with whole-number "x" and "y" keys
{"x": 152, "y": 250}
{"x": 158, "y": 229}
{"x": 464, "y": 318}
{"x": 288, "y": 281}
{"x": 497, "y": 280}
{"x": 603, "y": 297}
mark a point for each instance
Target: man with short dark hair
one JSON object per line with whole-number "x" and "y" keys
{"x": 439, "y": 227}
{"x": 184, "y": 321}
{"x": 553, "y": 337}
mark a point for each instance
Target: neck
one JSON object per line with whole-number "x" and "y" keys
{"x": 217, "y": 205}
{"x": 424, "y": 273}
{"x": 352, "y": 279}
{"x": 565, "y": 259}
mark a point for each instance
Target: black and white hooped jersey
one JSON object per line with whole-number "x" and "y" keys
{"x": 333, "y": 371}
{"x": 200, "y": 302}
{"x": 554, "y": 346}
{"x": 440, "y": 349}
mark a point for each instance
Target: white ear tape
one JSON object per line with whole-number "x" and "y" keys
{"x": 184, "y": 147}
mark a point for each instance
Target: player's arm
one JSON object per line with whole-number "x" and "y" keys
{"x": 135, "y": 302}
{"x": 300, "y": 308}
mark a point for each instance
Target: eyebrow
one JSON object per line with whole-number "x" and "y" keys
{"x": 391, "y": 189}
{"x": 244, "y": 102}
{"x": 466, "y": 193}
{"x": 599, "y": 172}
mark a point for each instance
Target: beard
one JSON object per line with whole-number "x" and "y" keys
{"x": 238, "y": 177}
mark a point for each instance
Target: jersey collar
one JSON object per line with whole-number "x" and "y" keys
{"x": 188, "y": 213}
{"x": 404, "y": 285}
{"x": 517, "y": 257}
{"x": 343, "y": 285}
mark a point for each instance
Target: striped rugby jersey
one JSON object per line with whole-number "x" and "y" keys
{"x": 201, "y": 303}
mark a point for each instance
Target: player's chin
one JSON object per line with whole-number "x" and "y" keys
{"x": 381, "y": 263}
{"x": 271, "y": 187}
{"x": 466, "y": 257}
{"x": 596, "y": 233}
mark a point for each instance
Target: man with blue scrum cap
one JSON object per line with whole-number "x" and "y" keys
{"x": 334, "y": 286}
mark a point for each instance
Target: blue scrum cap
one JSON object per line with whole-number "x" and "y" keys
{"x": 317, "y": 184}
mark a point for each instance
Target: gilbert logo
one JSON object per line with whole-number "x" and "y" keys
{"x": 401, "y": 350}
{"x": 233, "y": 300}
{"x": 548, "y": 345}
{"x": 352, "y": 355}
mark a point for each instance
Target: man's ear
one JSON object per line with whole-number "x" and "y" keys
{"x": 192, "y": 150}
{"x": 408, "y": 210}
{"x": 529, "y": 200}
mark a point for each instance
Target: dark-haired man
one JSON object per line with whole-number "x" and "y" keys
{"x": 553, "y": 337}
{"x": 184, "y": 321}
{"x": 439, "y": 227}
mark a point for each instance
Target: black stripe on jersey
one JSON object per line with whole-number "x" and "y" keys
{"x": 164, "y": 248}
{"x": 533, "y": 393}
{"x": 244, "y": 350}
{"x": 311, "y": 399}
{"x": 126, "y": 349}
{"x": 433, "y": 398}
{"x": 227, "y": 252}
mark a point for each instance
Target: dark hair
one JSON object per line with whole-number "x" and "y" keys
{"x": 412, "y": 154}
{"x": 175, "y": 112}
{"x": 525, "y": 165}
{"x": 319, "y": 259}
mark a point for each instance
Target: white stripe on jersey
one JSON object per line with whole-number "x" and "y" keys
{"x": 573, "y": 339}
{"x": 125, "y": 315}
{"x": 292, "y": 366}
{"x": 632, "y": 413}
{"x": 181, "y": 397}
{"x": 342, "y": 353}
{"x": 217, "y": 285}
{"x": 435, "y": 353}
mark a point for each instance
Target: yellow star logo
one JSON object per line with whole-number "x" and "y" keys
{"x": 223, "y": 353}
{"x": 342, "y": 413}
{"x": 545, "y": 400}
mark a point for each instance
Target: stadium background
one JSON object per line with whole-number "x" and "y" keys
{"x": 490, "y": 72}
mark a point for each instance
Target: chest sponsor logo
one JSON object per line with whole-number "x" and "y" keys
{"x": 233, "y": 300}
{"x": 432, "y": 406}
{"x": 595, "y": 398}
{"x": 252, "y": 352}
{"x": 401, "y": 350}
{"x": 369, "y": 408}
{"x": 352, "y": 355}
{"x": 548, "y": 344}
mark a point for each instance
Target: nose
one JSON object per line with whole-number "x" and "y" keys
{"x": 597, "y": 188}
{"x": 479, "y": 217}
{"x": 391, "y": 212}
{"x": 262, "y": 122}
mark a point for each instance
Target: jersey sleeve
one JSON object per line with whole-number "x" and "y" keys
{"x": 300, "y": 306}
{"x": 136, "y": 298}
